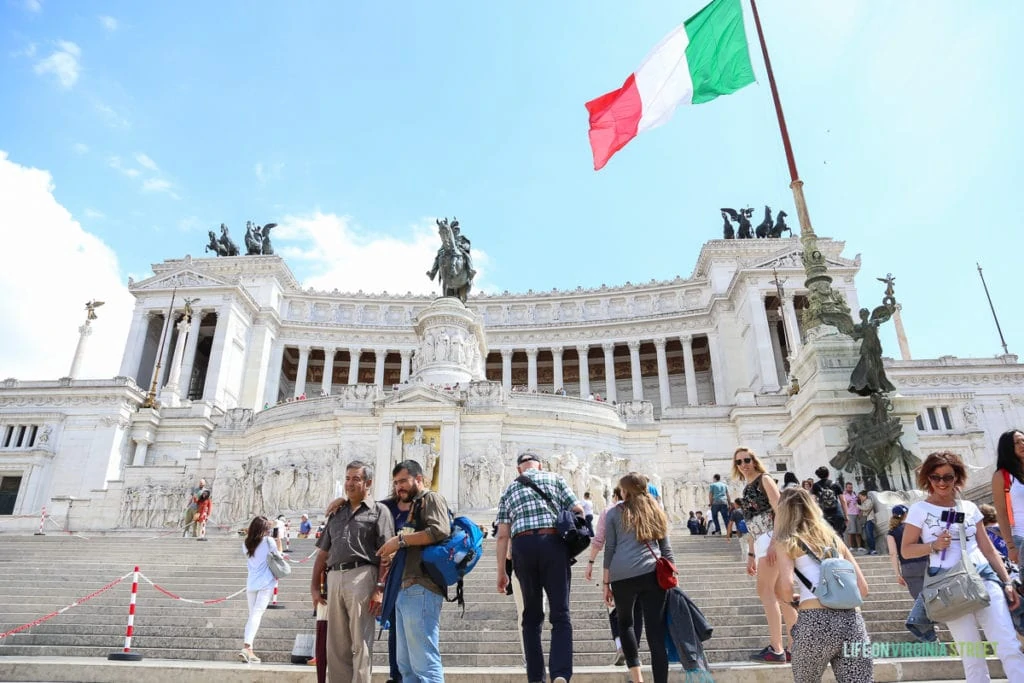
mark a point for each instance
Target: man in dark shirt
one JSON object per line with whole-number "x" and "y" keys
{"x": 348, "y": 547}
{"x": 833, "y": 514}
{"x": 418, "y": 607}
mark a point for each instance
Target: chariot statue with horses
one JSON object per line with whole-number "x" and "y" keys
{"x": 453, "y": 265}
{"x": 766, "y": 229}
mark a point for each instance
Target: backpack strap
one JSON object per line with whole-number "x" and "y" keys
{"x": 530, "y": 483}
{"x": 803, "y": 579}
{"x": 1007, "y": 483}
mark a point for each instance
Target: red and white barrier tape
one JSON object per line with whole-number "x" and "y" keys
{"x": 174, "y": 596}
{"x": 62, "y": 610}
{"x": 307, "y": 558}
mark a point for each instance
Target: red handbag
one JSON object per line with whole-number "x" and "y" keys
{"x": 664, "y": 571}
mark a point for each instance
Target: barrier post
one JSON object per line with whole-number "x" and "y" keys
{"x": 287, "y": 537}
{"x": 42, "y": 521}
{"x": 126, "y": 655}
{"x": 273, "y": 602}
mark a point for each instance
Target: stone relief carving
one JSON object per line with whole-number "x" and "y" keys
{"x": 970, "y": 415}
{"x": 638, "y": 412}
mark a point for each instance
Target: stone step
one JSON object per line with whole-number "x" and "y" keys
{"x": 68, "y": 669}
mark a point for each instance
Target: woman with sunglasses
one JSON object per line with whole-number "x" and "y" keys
{"x": 760, "y": 497}
{"x": 927, "y": 534}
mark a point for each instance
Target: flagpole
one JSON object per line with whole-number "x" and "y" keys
{"x": 821, "y": 298}
{"x": 150, "y": 401}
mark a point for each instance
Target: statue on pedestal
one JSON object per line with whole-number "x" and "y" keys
{"x": 742, "y": 218}
{"x": 223, "y": 245}
{"x": 453, "y": 265}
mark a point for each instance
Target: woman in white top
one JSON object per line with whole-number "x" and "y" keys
{"x": 1010, "y": 513}
{"x": 259, "y": 584}
{"x": 820, "y": 632}
{"x": 942, "y": 476}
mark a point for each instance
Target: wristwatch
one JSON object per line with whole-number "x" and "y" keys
{"x": 401, "y": 543}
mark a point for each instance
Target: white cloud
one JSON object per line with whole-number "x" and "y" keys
{"x": 109, "y": 23}
{"x": 265, "y": 172}
{"x": 190, "y": 224}
{"x": 27, "y": 51}
{"x": 330, "y": 252}
{"x": 93, "y": 213}
{"x": 115, "y": 163}
{"x": 160, "y": 185}
{"x": 146, "y": 162}
{"x": 110, "y": 115}
{"x": 63, "y": 63}
{"x": 34, "y": 5}
{"x": 41, "y": 321}
{"x": 80, "y": 148}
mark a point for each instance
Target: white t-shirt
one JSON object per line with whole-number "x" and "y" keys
{"x": 1017, "y": 501}
{"x": 811, "y": 571}
{"x": 928, "y": 518}
{"x": 588, "y": 507}
{"x": 259, "y": 576}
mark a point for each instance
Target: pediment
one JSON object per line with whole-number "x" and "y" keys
{"x": 794, "y": 259}
{"x": 182, "y": 279}
{"x": 422, "y": 393}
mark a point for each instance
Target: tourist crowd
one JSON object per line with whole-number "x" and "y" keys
{"x": 800, "y": 541}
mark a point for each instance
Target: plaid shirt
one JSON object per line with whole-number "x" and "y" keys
{"x": 524, "y": 509}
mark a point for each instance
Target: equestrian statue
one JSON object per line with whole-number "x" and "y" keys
{"x": 453, "y": 265}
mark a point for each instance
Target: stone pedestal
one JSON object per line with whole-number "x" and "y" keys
{"x": 451, "y": 347}
{"x": 171, "y": 394}
{"x": 84, "y": 333}
{"x": 822, "y": 410}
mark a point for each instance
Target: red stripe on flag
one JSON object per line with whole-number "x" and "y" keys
{"x": 614, "y": 118}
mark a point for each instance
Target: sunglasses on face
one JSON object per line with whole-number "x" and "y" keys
{"x": 744, "y": 461}
{"x": 944, "y": 478}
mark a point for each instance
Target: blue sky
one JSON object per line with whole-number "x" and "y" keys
{"x": 354, "y": 124}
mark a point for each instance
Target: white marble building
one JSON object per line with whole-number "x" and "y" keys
{"x": 663, "y": 377}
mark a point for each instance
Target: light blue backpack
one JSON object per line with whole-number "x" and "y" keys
{"x": 837, "y": 587}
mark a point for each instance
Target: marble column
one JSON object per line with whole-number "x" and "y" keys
{"x": 162, "y": 353}
{"x": 213, "y": 371}
{"x": 556, "y": 361}
{"x": 274, "y": 374}
{"x": 583, "y": 352}
{"x": 378, "y": 371}
{"x": 141, "y": 448}
{"x": 766, "y": 368}
{"x": 353, "y": 365}
{"x": 84, "y": 332}
{"x": 792, "y": 326}
{"x": 634, "y": 369}
{"x": 609, "y": 371}
{"x": 664, "y": 390}
{"x": 774, "y": 318}
{"x": 901, "y": 333}
{"x": 188, "y": 362}
{"x": 406, "y": 355}
{"x": 506, "y": 370}
{"x": 300, "y": 374}
{"x": 328, "y": 379}
{"x": 531, "y": 369}
{"x": 136, "y": 340}
{"x": 171, "y": 394}
{"x": 690, "y": 369}
{"x": 717, "y": 375}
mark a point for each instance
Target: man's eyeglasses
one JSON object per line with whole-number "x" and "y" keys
{"x": 943, "y": 478}
{"x": 744, "y": 461}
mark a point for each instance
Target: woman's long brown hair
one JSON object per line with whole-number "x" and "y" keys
{"x": 640, "y": 512}
{"x": 258, "y": 528}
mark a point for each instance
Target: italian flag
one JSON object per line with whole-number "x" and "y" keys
{"x": 705, "y": 57}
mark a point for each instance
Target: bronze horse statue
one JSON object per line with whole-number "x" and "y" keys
{"x": 451, "y": 266}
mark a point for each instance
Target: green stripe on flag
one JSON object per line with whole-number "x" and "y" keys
{"x": 718, "y": 55}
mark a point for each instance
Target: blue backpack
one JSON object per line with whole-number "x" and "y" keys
{"x": 447, "y": 562}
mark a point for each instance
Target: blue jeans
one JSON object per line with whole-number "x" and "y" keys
{"x": 417, "y": 627}
{"x": 869, "y": 535}
{"x": 542, "y": 565}
{"x": 720, "y": 509}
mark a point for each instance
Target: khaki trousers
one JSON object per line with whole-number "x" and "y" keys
{"x": 350, "y": 624}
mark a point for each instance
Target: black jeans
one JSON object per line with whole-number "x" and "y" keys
{"x": 720, "y": 510}
{"x": 645, "y": 590}
{"x": 638, "y": 621}
{"x": 393, "y": 673}
{"x": 542, "y": 565}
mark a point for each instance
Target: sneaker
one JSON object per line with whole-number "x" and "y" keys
{"x": 873, "y": 552}
{"x": 559, "y": 679}
{"x": 620, "y": 658}
{"x": 769, "y": 655}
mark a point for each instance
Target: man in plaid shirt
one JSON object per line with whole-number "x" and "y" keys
{"x": 541, "y": 561}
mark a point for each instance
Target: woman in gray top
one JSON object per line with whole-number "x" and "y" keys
{"x": 636, "y": 535}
